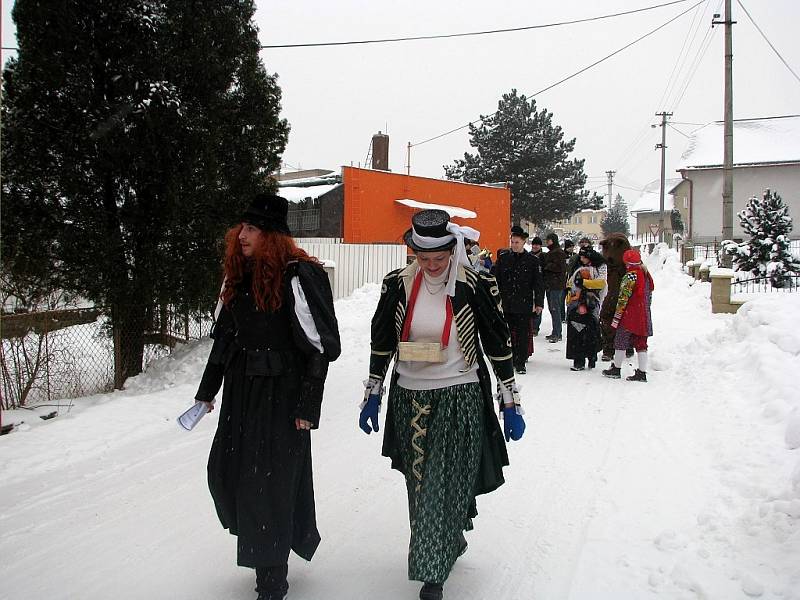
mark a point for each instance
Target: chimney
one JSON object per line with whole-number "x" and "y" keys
{"x": 380, "y": 151}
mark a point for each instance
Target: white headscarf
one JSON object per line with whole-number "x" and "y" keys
{"x": 457, "y": 232}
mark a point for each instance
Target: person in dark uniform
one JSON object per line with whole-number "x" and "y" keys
{"x": 519, "y": 277}
{"x": 274, "y": 336}
{"x": 536, "y": 318}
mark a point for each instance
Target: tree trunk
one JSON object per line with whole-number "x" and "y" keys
{"x": 128, "y": 324}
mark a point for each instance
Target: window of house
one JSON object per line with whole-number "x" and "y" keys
{"x": 686, "y": 202}
{"x": 578, "y": 220}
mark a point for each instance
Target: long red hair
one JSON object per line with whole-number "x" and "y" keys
{"x": 271, "y": 254}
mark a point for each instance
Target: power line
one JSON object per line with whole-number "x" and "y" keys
{"x": 691, "y": 32}
{"x": 766, "y": 39}
{"x": 472, "y": 33}
{"x": 693, "y": 69}
{"x": 565, "y": 79}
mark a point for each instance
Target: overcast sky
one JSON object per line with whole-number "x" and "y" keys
{"x": 336, "y": 97}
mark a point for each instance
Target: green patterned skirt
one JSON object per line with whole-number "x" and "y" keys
{"x": 439, "y": 435}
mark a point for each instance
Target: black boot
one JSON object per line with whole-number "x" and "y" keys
{"x": 629, "y": 353}
{"x": 592, "y": 362}
{"x": 638, "y": 376}
{"x": 431, "y": 591}
{"x": 271, "y": 582}
{"x": 577, "y": 365}
{"x": 613, "y": 372}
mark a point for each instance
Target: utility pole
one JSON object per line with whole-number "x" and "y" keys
{"x": 408, "y": 164}
{"x": 727, "y": 167}
{"x": 663, "y": 146}
{"x": 610, "y": 183}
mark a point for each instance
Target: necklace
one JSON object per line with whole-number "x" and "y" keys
{"x": 438, "y": 286}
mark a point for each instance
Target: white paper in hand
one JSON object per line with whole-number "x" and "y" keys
{"x": 192, "y": 416}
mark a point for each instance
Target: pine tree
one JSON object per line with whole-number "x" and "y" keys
{"x": 676, "y": 220}
{"x": 766, "y": 254}
{"x": 520, "y": 145}
{"x": 616, "y": 220}
{"x": 134, "y": 134}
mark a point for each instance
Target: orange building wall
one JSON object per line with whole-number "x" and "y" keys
{"x": 372, "y": 215}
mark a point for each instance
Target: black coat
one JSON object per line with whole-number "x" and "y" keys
{"x": 554, "y": 268}
{"x": 519, "y": 277}
{"x": 259, "y": 468}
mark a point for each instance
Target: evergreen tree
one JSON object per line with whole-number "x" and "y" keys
{"x": 616, "y": 219}
{"x": 520, "y": 145}
{"x": 676, "y": 220}
{"x": 134, "y": 134}
{"x": 766, "y": 254}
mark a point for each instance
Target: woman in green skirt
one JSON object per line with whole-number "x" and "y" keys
{"x": 440, "y": 320}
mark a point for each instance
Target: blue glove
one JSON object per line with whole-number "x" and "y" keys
{"x": 513, "y": 424}
{"x": 370, "y": 413}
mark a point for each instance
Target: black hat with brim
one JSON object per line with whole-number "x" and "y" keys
{"x": 430, "y": 223}
{"x": 268, "y": 212}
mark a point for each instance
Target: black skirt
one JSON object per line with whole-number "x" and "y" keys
{"x": 583, "y": 335}
{"x": 259, "y": 468}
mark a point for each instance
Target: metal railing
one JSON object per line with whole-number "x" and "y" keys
{"x": 764, "y": 285}
{"x": 303, "y": 220}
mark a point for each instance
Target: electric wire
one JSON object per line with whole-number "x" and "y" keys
{"x": 691, "y": 32}
{"x": 693, "y": 69}
{"x": 472, "y": 33}
{"x": 685, "y": 63}
{"x": 766, "y": 39}
{"x": 567, "y": 78}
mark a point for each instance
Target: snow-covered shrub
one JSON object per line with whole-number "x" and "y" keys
{"x": 766, "y": 254}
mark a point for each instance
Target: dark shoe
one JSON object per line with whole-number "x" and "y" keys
{"x": 629, "y": 353}
{"x": 592, "y": 364}
{"x": 607, "y": 357}
{"x": 638, "y": 376}
{"x": 271, "y": 582}
{"x": 613, "y": 372}
{"x": 521, "y": 370}
{"x": 553, "y": 338}
{"x": 574, "y": 368}
{"x": 431, "y": 591}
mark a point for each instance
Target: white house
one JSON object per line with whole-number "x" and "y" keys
{"x": 766, "y": 154}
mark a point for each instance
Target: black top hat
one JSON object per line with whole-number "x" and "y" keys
{"x": 430, "y": 223}
{"x": 518, "y": 231}
{"x": 537, "y": 241}
{"x": 268, "y": 213}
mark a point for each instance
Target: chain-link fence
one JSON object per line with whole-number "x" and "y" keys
{"x": 50, "y": 355}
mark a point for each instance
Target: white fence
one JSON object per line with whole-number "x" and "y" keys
{"x": 356, "y": 264}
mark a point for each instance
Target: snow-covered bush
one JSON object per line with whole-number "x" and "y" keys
{"x": 766, "y": 254}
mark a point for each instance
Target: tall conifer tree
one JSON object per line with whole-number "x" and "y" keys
{"x": 520, "y": 145}
{"x": 134, "y": 133}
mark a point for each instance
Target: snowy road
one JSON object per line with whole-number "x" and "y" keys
{"x": 678, "y": 488}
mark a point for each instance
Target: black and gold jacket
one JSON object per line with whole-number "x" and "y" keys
{"x": 476, "y": 311}
{"x": 482, "y": 333}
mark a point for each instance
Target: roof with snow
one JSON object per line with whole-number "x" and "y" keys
{"x": 650, "y": 197}
{"x": 453, "y": 211}
{"x": 297, "y": 194}
{"x": 769, "y": 140}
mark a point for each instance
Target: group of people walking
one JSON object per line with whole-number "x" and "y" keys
{"x": 444, "y": 325}
{"x": 590, "y": 292}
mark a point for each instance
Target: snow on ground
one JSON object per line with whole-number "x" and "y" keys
{"x": 685, "y": 487}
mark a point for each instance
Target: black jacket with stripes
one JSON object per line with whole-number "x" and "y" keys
{"x": 482, "y": 333}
